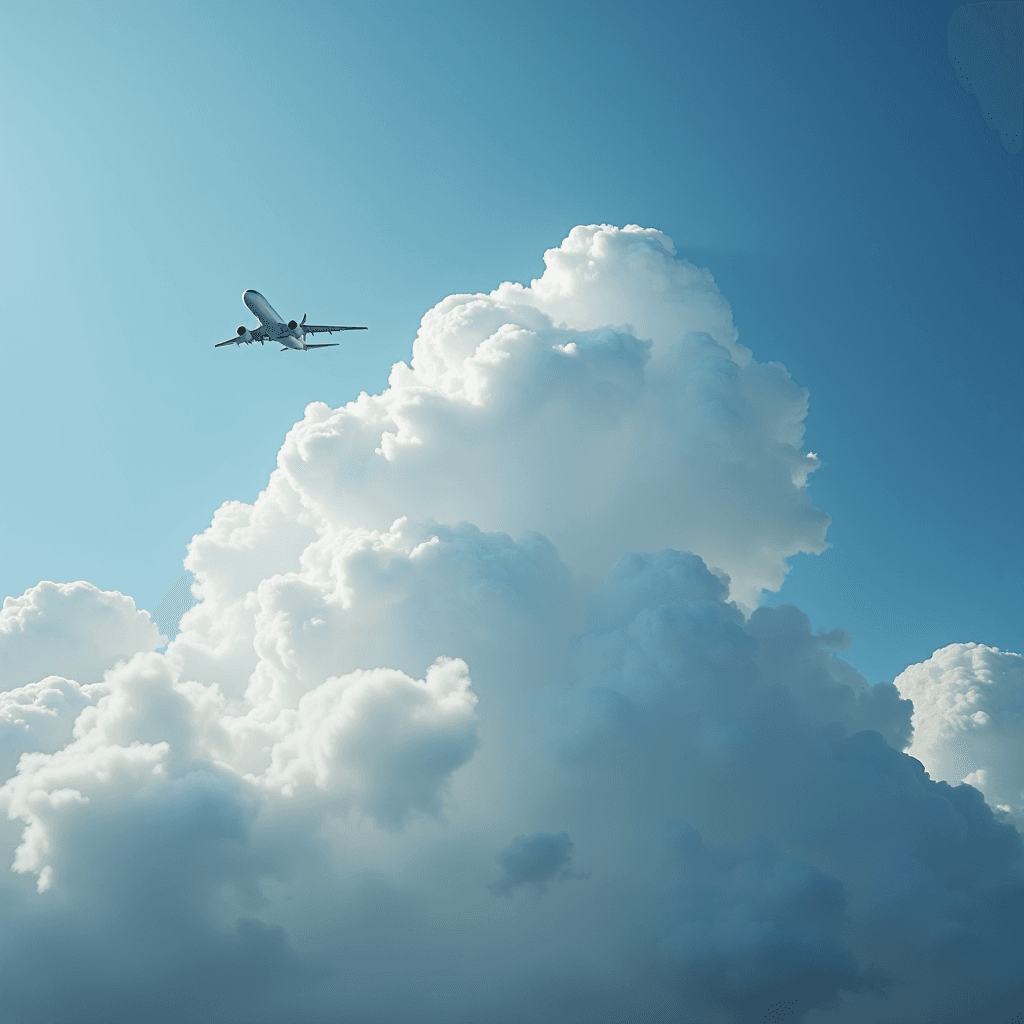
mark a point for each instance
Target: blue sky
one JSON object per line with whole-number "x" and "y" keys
{"x": 826, "y": 166}
{"x": 359, "y": 162}
{"x": 459, "y": 729}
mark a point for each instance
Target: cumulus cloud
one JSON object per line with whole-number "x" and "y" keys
{"x": 969, "y": 720}
{"x": 69, "y": 629}
{"x": 663, "y": 628}
{"x": 781, "y": 762}
{"x": 377, "y": 740}
{"x": 548, "y": 408}
{"x": 460, "y": 612}
{"x": 393, "y": 741}
{"x": 39, "y": 717}
{"x": 56, "y": 642}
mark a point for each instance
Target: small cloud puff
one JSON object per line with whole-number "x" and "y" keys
{"x": 535, "y": 860}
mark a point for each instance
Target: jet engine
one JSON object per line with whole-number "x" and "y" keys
{"x": 243, "y": 333}
{"x": 292, "y": 324}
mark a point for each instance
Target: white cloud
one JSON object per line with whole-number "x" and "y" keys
{"x": 39, "y": 717}
{"x": 969, "y": 720}
{"x": 56, "y": 641}
{"x": 69, "y": 629}
{"x": 390, "y": 740}
{"x": 670, "y": 436}
{"x": 376, "y": 740}
{"x": 381, "y": 693}
{"x": 602, "y": 276}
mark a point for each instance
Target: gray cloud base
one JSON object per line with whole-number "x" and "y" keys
{"x": 748, "y": 842}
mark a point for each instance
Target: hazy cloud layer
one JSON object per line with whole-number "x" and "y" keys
{"x": 454, "y": 652}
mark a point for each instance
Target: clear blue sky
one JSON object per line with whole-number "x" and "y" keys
{"x": 361, "y": 161}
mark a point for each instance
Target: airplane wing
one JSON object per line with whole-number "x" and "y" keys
{"x": 314, "y": 329}
{"x": 260, "y": 335}
{"x": 329, "y": 344}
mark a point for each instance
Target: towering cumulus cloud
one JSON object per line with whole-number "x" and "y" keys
{"x": 477, "y": 716}
{"x": 608, "y": 407}
{"x": 969, "y": 721}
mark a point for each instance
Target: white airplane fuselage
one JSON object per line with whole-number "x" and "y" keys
{"x": 277, "y": 329}
{"x": 291, "y": 334}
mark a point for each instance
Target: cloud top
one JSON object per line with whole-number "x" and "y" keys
{"x": 552, "y": 407}
{"x": 969, "y": 720}
{"x": 69, "y": 629}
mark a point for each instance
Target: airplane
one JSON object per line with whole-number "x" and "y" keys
{"x": 272, "y": 328}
